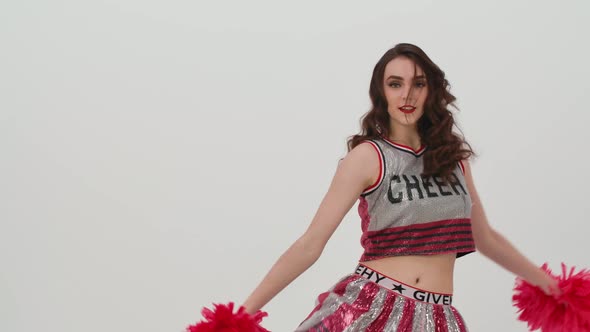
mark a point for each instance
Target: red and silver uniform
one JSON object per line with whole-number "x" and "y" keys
{"x": 402, "y": 213}
{"x": 405, "y": 213}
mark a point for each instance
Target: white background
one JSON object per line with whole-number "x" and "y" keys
{"x": 158, "y": 156}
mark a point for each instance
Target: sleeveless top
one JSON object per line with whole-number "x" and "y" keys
{"x": 405, "y": 213}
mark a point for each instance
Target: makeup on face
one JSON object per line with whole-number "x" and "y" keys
{"x": 407, "y": 96}
{"x": 405, "y": 88}
{"x": 407, "y": 109}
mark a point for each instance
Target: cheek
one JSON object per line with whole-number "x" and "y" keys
{"x": 391, "y": 95}
{"x": 423, "y": 96}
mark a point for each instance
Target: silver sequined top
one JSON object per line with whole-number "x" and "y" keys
{"x": 405, "y": 213}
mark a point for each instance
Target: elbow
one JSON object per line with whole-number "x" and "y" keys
{"x": 309, "y": 247}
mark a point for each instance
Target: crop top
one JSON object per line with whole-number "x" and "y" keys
{"x": 405, "y": 213}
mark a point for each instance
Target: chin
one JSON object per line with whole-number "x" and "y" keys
{"x": 411, "y": 119}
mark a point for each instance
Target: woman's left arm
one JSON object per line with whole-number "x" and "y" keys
{"x": 497, "y": 248}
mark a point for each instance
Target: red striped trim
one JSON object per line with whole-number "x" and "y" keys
{"x": 403, "y": 283}
{"x": 419, "y": 234}
{"x": 407, "y": 320}
{"x": 353, "y": 310}
{"x": 401, "y": 146}
{"x": 440, "y": 319}
{"x": 339, "y": 289}
{"x": 379, "y": 323}
{"x": 420, "y": 226}
{"x": 381, "y": 166}
{"x": 462, "y": 167}
{"x": 438, "y": 248}
{"x": 415, "y": 239}
{"x": 426, "y": 246}
{"x": 437, "y": 237}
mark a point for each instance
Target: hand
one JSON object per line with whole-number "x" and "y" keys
{"x": 549, "y": 285}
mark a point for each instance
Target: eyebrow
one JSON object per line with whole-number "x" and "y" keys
{"x": 401, "y": 78}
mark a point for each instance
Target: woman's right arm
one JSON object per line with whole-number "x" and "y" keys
{"x": 357, "y": 171}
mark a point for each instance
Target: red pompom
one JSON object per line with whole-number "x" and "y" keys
{"x": 569, "y": 311}
{"x": 223, "y": 319}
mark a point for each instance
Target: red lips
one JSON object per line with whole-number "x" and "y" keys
{"x": 407, "y": 109}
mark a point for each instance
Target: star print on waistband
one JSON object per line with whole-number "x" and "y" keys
{"x": 399, "y": 288}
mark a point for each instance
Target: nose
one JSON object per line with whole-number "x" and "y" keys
{"x": 406, "y": 93}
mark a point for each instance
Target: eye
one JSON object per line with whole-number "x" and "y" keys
{"x": 394, "y": 85}
{"x": 420, "y": 84}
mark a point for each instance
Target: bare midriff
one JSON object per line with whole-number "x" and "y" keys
{"x": 432, "y": 273}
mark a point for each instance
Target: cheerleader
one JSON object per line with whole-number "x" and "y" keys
{"x": 419, "y": 212}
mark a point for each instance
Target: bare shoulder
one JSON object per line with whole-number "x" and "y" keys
{"x": 364, "y": 151}
{"x": 467, "y": 166}
{"x": 354, "y": 174}
{"x": 364, "y": 161}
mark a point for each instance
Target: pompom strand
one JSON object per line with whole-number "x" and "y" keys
{"x": 568, "y": 311}
{"x": 223, "y": 319}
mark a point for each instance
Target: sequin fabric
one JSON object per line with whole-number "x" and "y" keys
{"x": 355, "y": 304}
{"x": 405, "y": 213}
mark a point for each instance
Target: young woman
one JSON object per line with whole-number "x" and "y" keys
{"x": 419, "y": 210}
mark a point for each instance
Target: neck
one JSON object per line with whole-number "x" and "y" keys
{"x": 406, "y": 136}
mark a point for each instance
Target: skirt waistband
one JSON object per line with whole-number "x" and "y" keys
{"x": 401, "y": 288}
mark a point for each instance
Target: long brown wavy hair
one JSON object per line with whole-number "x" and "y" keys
{"x": 444, "y": 148}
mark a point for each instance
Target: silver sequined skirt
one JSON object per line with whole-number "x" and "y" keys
{"x": 355, "y": 304}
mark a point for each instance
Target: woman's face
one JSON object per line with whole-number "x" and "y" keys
{"x": 405, "y": 89}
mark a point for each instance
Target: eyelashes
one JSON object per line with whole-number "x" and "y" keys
{"x": 398, "y": 85}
